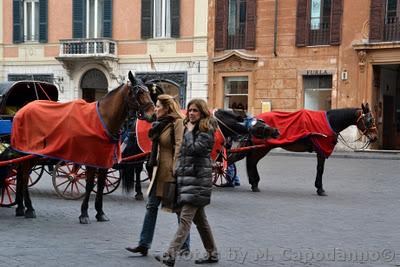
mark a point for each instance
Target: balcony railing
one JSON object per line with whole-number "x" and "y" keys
{"x": 391, "y": 29}
{"x": 237, "y": 40}
{"x": 88, "y": 48}
{"x": 319, "y": 33}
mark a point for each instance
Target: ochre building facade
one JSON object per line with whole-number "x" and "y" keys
{"x": 316, "y": 54}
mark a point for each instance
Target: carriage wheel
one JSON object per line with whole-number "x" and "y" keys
{"x": 8, "y": 189}
{"x": 69, "y": 180}
{"x": 220, "y": 177}
{"x": 112, "y": 182}
{"x": 36, "y": 174}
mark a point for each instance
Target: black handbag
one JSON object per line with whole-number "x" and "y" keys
{"x": 169, "y": 199}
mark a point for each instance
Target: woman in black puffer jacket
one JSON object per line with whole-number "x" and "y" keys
{"x": 194, "y": 181}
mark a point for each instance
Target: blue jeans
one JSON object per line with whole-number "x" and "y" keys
{"x": 150, "y": 218}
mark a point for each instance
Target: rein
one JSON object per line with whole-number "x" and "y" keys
{"x": 367, "y": 143}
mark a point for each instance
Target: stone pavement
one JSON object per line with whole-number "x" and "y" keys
{"x": 286, "y": 224}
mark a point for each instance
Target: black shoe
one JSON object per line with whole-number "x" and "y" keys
{"x": 210, "y": 259}
{"x": 165, "y": 259}
{"x": 138, "y": 249}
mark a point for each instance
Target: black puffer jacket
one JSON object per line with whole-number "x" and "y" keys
{"x": 194, "y": 168}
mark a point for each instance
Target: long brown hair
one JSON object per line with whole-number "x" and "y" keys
{"x": 170, "y": 104}
{"x": 206, "y": 121}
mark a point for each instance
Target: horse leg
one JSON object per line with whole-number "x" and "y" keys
{"x": 30, "y": 211}
{"x": 320, "y": 172}
{"x": 19, "y": 198}
{"x": 84, "y": 217}
{"x": 138, "y": 185}
{"x": 252, "y": 160}
{"x": 101, "y": 179}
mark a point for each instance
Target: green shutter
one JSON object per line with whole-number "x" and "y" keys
{"x": 147, "y": 19}
{"x": 43, "y": 18}
{"x": 79, "y": 18}
{"x": 17, "y": 22}
{"x": 175, "y": 15}
{"x": 107, "y": 18}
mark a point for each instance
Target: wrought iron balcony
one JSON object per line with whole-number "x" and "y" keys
{"x": 88, "y": 48}
{"x": 391, "y": 29}
{"x": 319, "y": 33}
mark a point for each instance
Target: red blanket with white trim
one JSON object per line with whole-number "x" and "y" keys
{"x": 71, "y": 131}
{"x": 294, "y": 126}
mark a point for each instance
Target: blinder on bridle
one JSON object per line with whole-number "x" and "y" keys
{"x": 135, "y": 100}
{"x": 259, "y": 129}
{"x": 366, "y": 123}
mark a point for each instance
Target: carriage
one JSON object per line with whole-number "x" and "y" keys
{"x": 13, "y": 96}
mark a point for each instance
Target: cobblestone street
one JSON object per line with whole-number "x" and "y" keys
{"x": 286, "y": 224}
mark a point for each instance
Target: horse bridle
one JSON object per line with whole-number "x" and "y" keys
{"x": 368, "y": 124}
{"x": 139, "y": 108}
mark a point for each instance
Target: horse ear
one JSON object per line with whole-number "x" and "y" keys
{"x": 363, "y": 107}
{"x": 132, "y": 78}
{"x": 367, "y": 107}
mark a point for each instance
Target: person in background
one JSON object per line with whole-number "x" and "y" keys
{"x": 166, "y": 135}
{"x": 194, "y": 173}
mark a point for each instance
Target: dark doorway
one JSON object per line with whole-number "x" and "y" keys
{"x": 94, "y": 85}
{"x": 389, "y": 103}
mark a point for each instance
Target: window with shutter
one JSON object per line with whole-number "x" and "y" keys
{"x": 391, "y": 23}
{"x": 235, "y": 24}
{"x": 79, "y": 18}
{"x": 43, "y": 10}
{"x": 319, "y": 22}
{"x": 17, "y": 22}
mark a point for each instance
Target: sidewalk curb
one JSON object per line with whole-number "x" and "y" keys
{"x": 341, "y": 154}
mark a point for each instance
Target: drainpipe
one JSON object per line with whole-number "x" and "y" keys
{"x": 275, "y": 27}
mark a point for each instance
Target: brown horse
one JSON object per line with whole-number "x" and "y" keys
{"x": 339, "y": 119}
{"x": 113, "y": 108}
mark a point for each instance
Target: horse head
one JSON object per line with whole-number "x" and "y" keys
{"x": 366, "y": 123}
{"x": 140, "y": 99}
{"x": 262, "y": 130}
{"x": 233, "y": 124}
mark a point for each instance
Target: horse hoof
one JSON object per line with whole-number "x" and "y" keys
{"x": 102, "y": 218}
{"x": 255, "y": 189}
{"x": 30, "y": 214}
{"x": 84, "y": 219}
{"x": 19, "y": 212}
{"x": 139, "y": 196}
{"x": 321, "y": 193}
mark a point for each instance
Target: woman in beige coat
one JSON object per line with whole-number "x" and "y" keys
{"x": 166, "y": 134}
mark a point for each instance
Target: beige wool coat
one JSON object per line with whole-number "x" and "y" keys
{"x": 167, "y": 155}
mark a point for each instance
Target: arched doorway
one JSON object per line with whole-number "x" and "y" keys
{"x": 94, "y": 85}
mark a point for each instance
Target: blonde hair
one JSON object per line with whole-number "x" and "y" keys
{"x": 206, "y": 121}
{"x": 170, "y": 104}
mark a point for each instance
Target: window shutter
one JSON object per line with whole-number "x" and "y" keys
{"x": 147, "y": 19}
{"x": 175, "y": 14}
{"x": 376, "y": 20}
{"x": 251, "y": 17}
{"x": 43, "y": 17}
{"x": 301, "y": 23}
{"x": 107, "y": 18}
{"x": 17, "y": 21}
{"x": 221, "y": 10}
{"x": 79, "y": 19}
{"x": 336, "y": 22}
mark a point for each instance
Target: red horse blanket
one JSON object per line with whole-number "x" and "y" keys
{"x": 294, "y": 126}
{"x": 72, "y": 131}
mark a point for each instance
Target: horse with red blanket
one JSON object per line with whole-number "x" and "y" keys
{"x": 94, "y": 143}
{"x": 309, "y": 131}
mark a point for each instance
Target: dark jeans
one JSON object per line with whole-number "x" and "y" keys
{"x": 149, "y": 223}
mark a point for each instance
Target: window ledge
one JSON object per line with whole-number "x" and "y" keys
{"x": 376, "y": 45}
{"x": 236, "y": 53}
